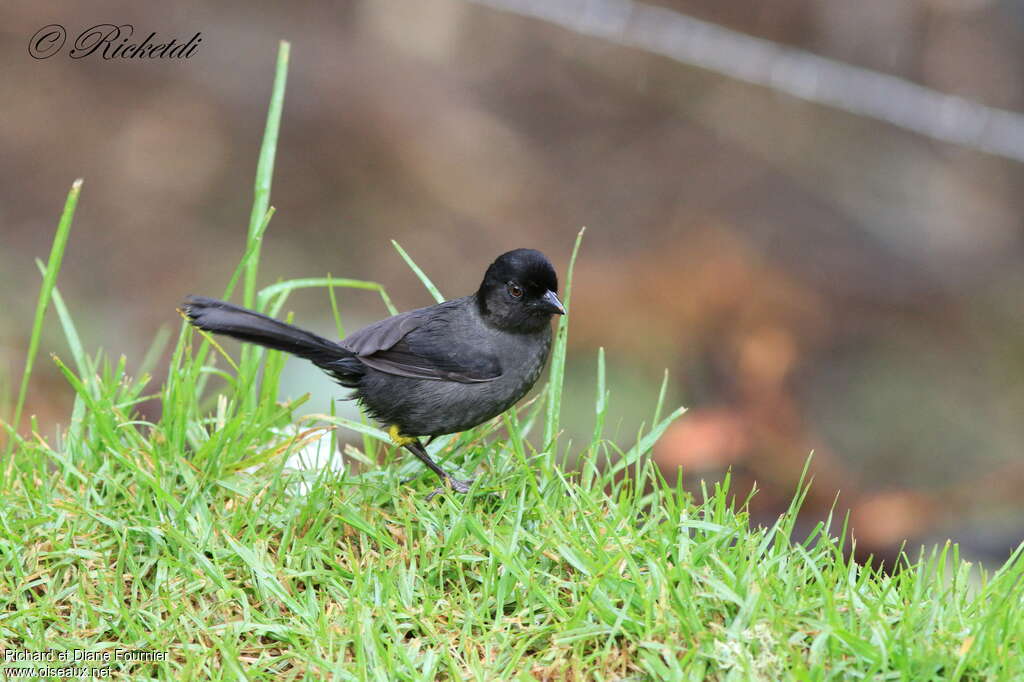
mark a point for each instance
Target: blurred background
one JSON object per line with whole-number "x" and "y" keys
{"x": 812, "y": 276}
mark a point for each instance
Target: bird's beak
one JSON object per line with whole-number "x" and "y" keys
{"x": 549, "y": 301}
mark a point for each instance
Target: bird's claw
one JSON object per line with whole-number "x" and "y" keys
{"x": 455, "y": 484}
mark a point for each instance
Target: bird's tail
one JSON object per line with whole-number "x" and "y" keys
{"x": 231, "y": 320}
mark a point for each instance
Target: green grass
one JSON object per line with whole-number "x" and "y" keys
{"x": 191, "y": 536}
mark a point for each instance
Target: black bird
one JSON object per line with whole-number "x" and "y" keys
{"x": 436, "y": 370}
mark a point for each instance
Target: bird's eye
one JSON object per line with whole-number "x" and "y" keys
{"x": 515, "y": 290}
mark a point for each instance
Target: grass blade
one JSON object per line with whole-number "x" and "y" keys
{"x": 419, "y": 273}
{"x": 252, "y": 245}
{"x": 286, "y": 287}
{"x": 601, "y": 402}
{"x": 645, "y": 444}
{"x": 260, "y": 210}
{"x": 557, "y": 373}
{"x": 60, "y": 242}
{"x": 661, "y": 397}
{"x": 70, "y": 333}
{"x": 265, "y": 171}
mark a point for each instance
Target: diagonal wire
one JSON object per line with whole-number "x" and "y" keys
{"x": 796, "y": 72}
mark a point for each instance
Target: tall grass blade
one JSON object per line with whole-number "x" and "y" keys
{"x": 60, "y": 242}
{"x": 259, "y": 215}
{"x": 557, "y": 372}
{"x": 265, "y": 170}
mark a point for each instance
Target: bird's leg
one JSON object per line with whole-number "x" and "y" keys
{"x": 414, "y": 446}
{"x": 405, "y": 441}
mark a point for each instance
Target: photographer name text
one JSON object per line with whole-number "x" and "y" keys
{"x": 111, "y": 41}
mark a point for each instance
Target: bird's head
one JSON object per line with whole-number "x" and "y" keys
{"x": 519, "y": 292}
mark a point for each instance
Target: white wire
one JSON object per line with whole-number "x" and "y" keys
{"x": 799, "y": 73}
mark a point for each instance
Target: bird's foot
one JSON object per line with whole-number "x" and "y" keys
{"x": 455, "y": 484}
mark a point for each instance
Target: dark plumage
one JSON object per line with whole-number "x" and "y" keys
{"x": 436, "y": 370}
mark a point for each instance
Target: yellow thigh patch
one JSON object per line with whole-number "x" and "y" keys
{"x": 398, "y": 438}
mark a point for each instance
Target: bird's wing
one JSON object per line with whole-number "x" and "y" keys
{"x": 429, "y": 343}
